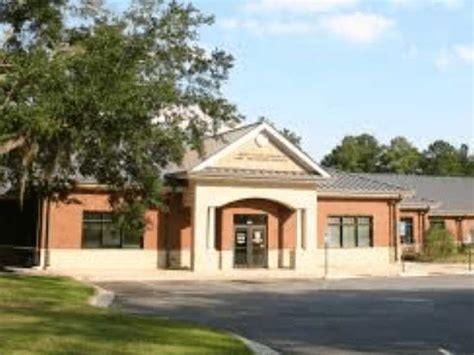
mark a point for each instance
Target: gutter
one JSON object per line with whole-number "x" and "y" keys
{"x": 350, "y": 194}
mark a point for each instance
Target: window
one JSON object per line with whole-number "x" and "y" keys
{"x": 350, "y": 232}
{"x": 99, "y": 231}
{"x": 247, "y": 219}
{"x": 437, "y": 223}
{"x": 407, "y": 237}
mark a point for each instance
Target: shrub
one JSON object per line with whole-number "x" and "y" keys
{"x": 439, "y": 243}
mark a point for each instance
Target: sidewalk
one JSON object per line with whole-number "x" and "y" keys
{"x": 409, "y": 269}
{"x": 432, "y": 269}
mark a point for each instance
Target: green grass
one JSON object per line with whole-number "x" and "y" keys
{"x": 49, "y": 315}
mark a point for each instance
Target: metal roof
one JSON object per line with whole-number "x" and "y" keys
{"x": 447, "y": 195}
{"x": 341, "y": 181}
{"x": 210, "y": 146}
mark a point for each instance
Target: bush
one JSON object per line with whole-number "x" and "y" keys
{"x": 439, "y": 243}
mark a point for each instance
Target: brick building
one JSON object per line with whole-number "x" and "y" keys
{"x": 252, "y": 201}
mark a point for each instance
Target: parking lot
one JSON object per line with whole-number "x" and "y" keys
{"x": 379, "y": 315}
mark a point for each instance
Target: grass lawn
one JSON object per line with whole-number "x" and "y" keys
{"x": 50, "y": 315}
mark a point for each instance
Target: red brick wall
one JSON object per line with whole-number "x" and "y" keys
{"x": 468, "y": 227}
{"x": 279, "y": 219}
{"x": 65, "y": 224}
{"x": 178, "y": 224}
{"x": 459, "y": 227}
{"x": 419, "y": 226}
{"x": 379, "y": 210}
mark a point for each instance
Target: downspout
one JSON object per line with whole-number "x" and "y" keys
{"x": 398, "y": 252}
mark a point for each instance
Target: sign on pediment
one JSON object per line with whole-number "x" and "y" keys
{"x": 259, "y": 153}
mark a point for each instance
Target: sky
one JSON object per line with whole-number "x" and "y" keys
{"x": 330, "y": 68}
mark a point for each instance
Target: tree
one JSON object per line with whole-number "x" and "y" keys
{"x": 466, "y": 160}
{"x": 400, "y": 157}
{"x": 355, "y": 154}
{"x": 109, "y": 97}
{"x": 441, "y": 158}
{"x": 285, "y": 132}
{"x": 291, "y": 136}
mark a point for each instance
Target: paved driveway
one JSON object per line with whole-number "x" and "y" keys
{"x": 388, "y": 315}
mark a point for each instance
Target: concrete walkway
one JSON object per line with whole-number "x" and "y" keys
{"x": 407, "y": 269}
{"x": 430, "y": 269}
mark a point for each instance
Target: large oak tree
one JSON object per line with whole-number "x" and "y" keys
{"x": 86, "y": 93}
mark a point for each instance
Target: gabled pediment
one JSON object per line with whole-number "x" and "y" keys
{"x": 265, "y": 149}
{"x": 262, "y": 153}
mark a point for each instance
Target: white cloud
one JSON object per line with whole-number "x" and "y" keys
{"x": 355, "y": 27}
{"x": 301, "y": 6}
{"x": 261, "y": 27}
{"x": 465, "y": 53}
{"x": 455, "y": 54}
{"x": 448, "y": 4}
{"x": 358, "y": 27}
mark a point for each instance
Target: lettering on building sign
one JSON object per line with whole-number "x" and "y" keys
{"x": 260, "y": 157}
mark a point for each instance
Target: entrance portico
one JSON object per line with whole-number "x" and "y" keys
{"x": 285, "y": 236}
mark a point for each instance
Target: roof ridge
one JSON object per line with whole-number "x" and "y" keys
{"x": 232, "y": 130}
{"x": 421, "y": 175}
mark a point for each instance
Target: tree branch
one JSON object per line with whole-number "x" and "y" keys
{"x": 11, "y": 143}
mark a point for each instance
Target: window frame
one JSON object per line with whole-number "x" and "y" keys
{"x": 105, "y": 218}
{"x": 438, "y": 223}
{"x": 356, "y": 224}
{"x": 412, "y": 236}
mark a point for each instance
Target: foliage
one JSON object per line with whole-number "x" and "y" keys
{"x": 291, "y": 136}
{"x": 400, "y": 157}
{"x": 50, "y": 315}
{"x": 438, "y": 243}
{"x": 355, "y": 153}
{"x": 441, "y": 158}
{"x": 285, "y": 132}
{"x": 364, "y": 153}
{"x": 113, "y": 98}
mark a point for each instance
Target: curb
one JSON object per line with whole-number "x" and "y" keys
{"x": 255, "y": 347}
{"x": 102, "y": 298}
{"x": 427, "y": 274}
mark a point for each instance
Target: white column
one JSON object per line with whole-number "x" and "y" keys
{"x": 211, "y": 228}
{"x": 299, "y": 239}
{"x": 204, "y": 255}
{"x": 299, "y": 229}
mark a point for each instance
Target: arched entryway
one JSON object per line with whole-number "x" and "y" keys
{"x": 255, "y": 233}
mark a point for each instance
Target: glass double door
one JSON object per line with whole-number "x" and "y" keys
{"x": 250, "y": 249}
